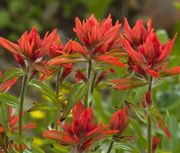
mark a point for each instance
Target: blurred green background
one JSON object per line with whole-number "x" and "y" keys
{"x": 16, "y": 16}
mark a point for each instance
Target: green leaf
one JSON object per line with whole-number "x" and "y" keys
{"x": 10, "y": 74}
{"x": 77, "y": 92}
{"x": 138, "y": 131}
{"x": 36, "y": 149}
{"x": 58, "y": 148}
{"x": 9, "y": 99}
{"x": 126, "y": 147}
{"x": 44, "y": 89}
{"x": 44, "y": 106}
{"x": 4, "y": 117}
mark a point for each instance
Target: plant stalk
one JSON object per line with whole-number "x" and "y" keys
{"x": 22, "y": 97}
{"x": 89, "y": 84}
{"x": 57, "y": 94}
{"x": 150, "y": 122}
{"x": 149, "y": 135}
{"x": 110, "y": 146}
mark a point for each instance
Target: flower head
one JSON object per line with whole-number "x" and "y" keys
{"x": 149, "y": 55}
{"x": 119, "y": 120}
{"x": 99, "y": 38}
{"x": 82, "y": 132}
{"x": 138, "y": 34}
{"x": 30, "y": 46}
{"x": 102, "y": 36}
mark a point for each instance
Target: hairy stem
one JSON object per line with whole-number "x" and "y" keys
{"x": 89, "y": 68}
{"x": 22, "y": 97}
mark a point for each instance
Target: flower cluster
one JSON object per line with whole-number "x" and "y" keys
{"x": 83, "y": 132}
{"x": 147, "y": 54}
{"x": 101, "y": 47}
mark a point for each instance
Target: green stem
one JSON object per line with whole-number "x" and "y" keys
{"x": 149, "y": 135}
{"x": 22, "y": 97}
{"x": 89, "y": 68}
{"x": 57, "y": 95}
{"x": 110, "y": 146}
{"x": 150, "y": 122}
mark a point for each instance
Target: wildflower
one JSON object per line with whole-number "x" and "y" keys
{"x": 147, "y": 55}
{"x": 150, "y": 57}
{"x": 99, "y": 38}
{"x": 82, "y": 132}
{"x": 30, "y": 47}
{"x": 138, "y": 34}
{"x": 119, "y": 120}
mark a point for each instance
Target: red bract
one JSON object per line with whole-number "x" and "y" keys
{"x": 150, "y": 56}
{"x": 102, "y": 36}
{"x": 147, "y": 99}
{"x": 62, "y": 54}
{"x": 83, "y": 132}
{"x": 138, "y": 34}
{"x": 4, "y": 86}
{"x": 128, "y": 83}
{"x": 58, "y": 48}
{"x": 99, "y": 38}
{"x": 30, "y": 46}
{"x": 156, "y": 140}
{"x": 119, "y": 120}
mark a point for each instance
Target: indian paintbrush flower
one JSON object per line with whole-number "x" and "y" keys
{"x": 147, "y": 54}
{"x": 82, "y": 132}
{"x": 30, "y": 47}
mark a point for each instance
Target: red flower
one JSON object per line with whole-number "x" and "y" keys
{"x": 83, "y": 132}
{"x": 62, "y": 55}
{"x": 99, "y": 38}
{"x": 119, "y": 120}
{"x": 150, "y": 57}
{"x": 4, "y": 86}
{"x": 138, "y": 34}
{"x": 30, "y": 46}
{"x": 102, "y": 36}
